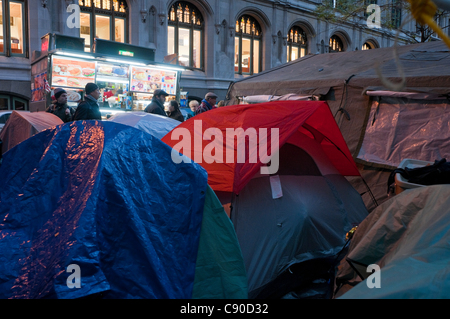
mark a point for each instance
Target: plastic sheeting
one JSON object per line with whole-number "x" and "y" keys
{"x": 408, "y": 95}
{"x": 22, "y": 125}
{"x": 156, "y": 125}
{"x": 408, "y": 238}
{"x": 268, "y": 98}
{"x": 400, "y": 128}
{"x": 105, "y": 197}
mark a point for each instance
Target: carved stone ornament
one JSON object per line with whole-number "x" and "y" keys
{"x": 232, "y": 30}
{"x": 162, "y": 18}
{"x": 144, "y": 14}
{"x": 218, "y": 27}
{"x": 44, "y": 3}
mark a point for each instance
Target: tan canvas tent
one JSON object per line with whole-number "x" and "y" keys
{"x": 407, "y": 238}
{"x": 400, "y": 123}
{"x": 23, "y": 125}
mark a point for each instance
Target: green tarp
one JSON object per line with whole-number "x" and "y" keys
{"x": 220, "y": 271}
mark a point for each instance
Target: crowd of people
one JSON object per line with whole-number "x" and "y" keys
{"x": 89, "y": 109}
{"x": 173, "y": 108}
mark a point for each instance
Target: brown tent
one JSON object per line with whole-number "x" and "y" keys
{"x": 22, "y": 125}
{"x": 407, "y": 238}
{"x": 356, "y": 95}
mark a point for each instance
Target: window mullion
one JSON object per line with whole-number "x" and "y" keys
{"x": 252, "y": 52}
{"x": 240, "y": 53}
{"x": 191, "y": 38}
{"x": 191, "y": 46}
{"x": 93, "y": 26}
{"x": 7, "y": 28}
{"x": 3, "y": 27}
{"x": 260, "y": 55}
{"x": 112, "y": 25}
{"x": 177, "y": 41}
{"x": 127, "y": 18}
{"x": 202, "y": 46}
{"x": 25, "y": 29}
{"x": 289, "y": 50}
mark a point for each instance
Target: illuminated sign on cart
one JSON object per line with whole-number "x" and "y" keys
{"x": 71, "y": 72}
{"x": 147, "y": 80}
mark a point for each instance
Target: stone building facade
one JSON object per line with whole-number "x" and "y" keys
{"x": 218, "y": 41}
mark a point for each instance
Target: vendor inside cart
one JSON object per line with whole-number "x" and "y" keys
{"x": 111, "y": 95}
{"x": 114, "y": 100}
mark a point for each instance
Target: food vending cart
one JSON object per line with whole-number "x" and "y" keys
{"x": 125, "y": 78}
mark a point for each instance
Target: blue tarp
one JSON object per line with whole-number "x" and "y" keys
{"x": 156, "y": 125}
{"x": 220, "y": 271}
{"x": 94, "y": 194}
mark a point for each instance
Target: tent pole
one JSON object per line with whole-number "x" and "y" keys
{"x": 370, "y": 192}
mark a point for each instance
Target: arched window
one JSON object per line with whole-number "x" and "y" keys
{"x": 185, "y": 34}
{"x": 297, "y": 44}
{"x": 103, "y": 19}
{"x": 336, "y": 44}
{"x": 248, "y": 46}
{"x": 13, "y": 28}
{"x": 369, "y": 44}
{"x": 366, "y": 46}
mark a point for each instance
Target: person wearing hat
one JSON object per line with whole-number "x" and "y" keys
{"x": 59, "y": 106}
{"x": 157, "y": 104}
{"x": 89, "y": 108}
{"x": 207, "y": 104}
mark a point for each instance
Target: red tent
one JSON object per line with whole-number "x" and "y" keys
{"x": 204, "y": 139}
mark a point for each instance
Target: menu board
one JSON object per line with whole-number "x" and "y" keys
{"x": 147, "y": 80}
{"x": 73, "y": 73}
{"x": 113, "y": 72}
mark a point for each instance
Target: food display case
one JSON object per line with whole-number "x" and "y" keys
{"x": 126, "y": 84}
{"x": 114, "y": 83}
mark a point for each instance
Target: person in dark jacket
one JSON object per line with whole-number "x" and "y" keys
{"x": 59, "y": 107}
{"x": 174, "y": 111}
{"x": 89, "y": 108}
{"x": 207, "y": 104}
{"x": 157, "y": 104}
